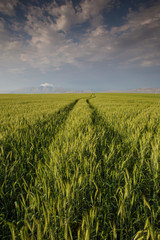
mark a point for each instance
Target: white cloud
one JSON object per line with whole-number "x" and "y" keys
{"x": 46, "y": 85}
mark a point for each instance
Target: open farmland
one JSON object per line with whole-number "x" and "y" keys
{"x": 80, "y": 167}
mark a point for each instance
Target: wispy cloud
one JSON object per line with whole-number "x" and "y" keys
{"x": 16, "y": 70}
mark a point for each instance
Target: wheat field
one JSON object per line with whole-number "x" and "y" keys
{"x": 80, "y": 167}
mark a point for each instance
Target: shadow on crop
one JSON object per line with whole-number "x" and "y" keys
{"x": 21, "y": 152}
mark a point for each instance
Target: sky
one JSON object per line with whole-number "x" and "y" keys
{"x": 79, "y": 44}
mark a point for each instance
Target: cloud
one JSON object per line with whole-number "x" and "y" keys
{"x": 138, "y": 38}
{"x": 7, "y": 7}
{"x": 46, "y": 85}
{"x": 50, "y": 43}
{"x": 4, "y": 36}
{"x": 16, "y": 70}
{"x": 66, "y": 15}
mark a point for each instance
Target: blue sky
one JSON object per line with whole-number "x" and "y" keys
{"x": 81, "y": 44}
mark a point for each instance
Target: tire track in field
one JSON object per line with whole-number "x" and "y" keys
{"x": 20, "y": 155}
{"x": 110, "y": 153}
{"x": 108, "y": 156}
{"x": 110, "y": 144}
{"x": 106, "y": 135}
{"x": 47, "y": 128}
{"x": 124, "y": 158}
{"x": 111, "y": 134}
